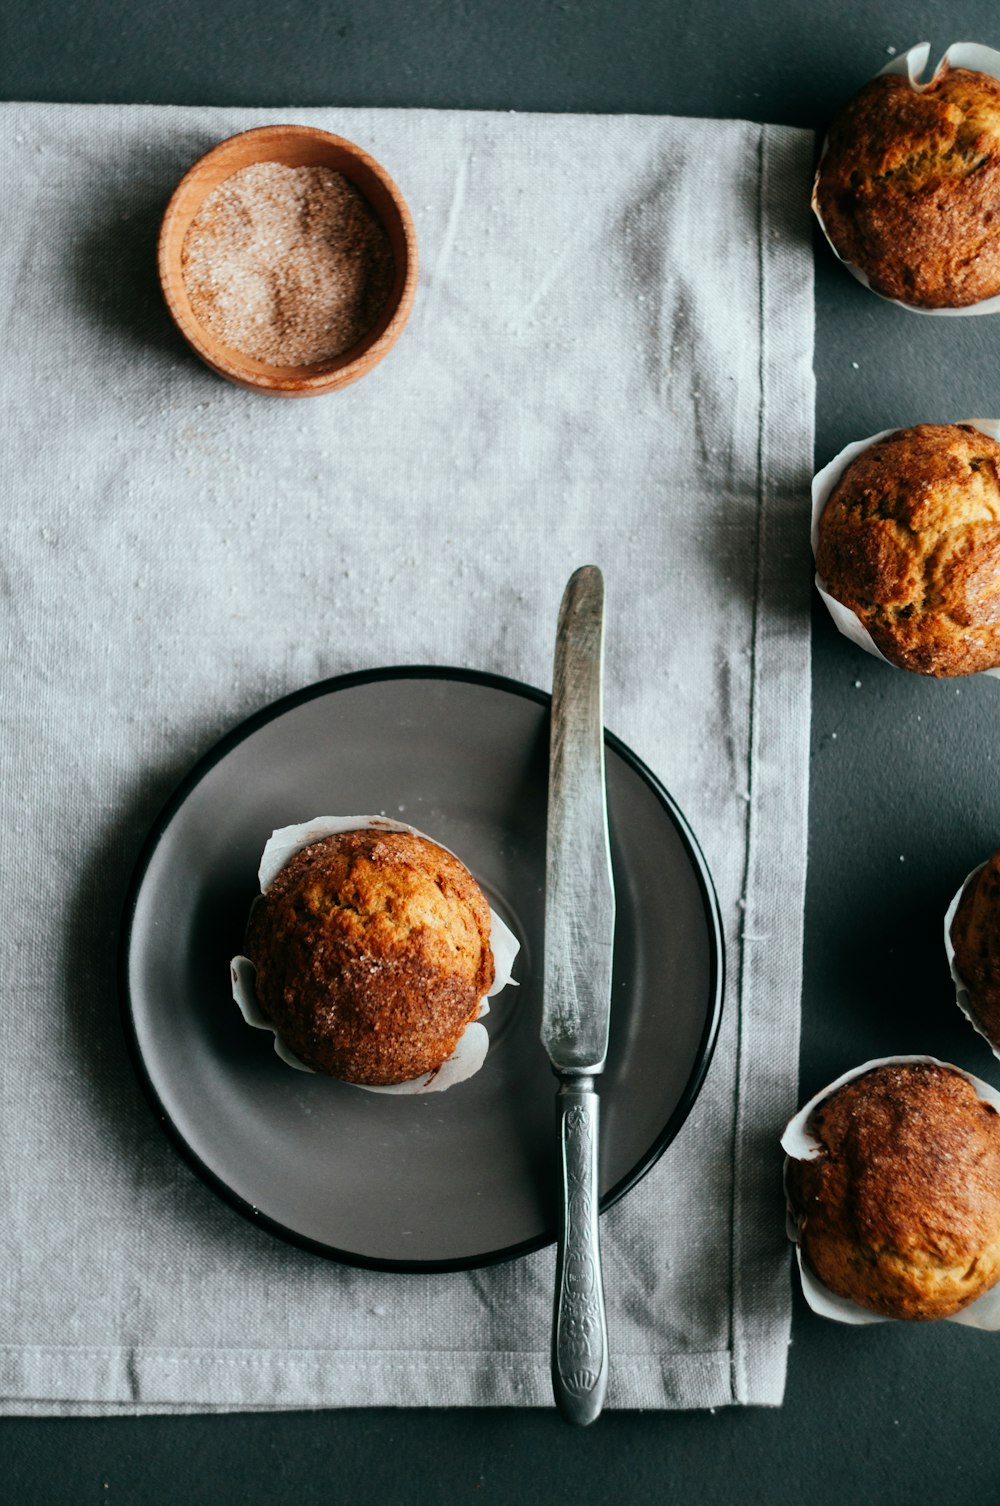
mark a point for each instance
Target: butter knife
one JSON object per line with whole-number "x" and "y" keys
{"x": 579, "y": 941}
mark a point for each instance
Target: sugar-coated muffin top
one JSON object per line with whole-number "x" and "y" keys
{"x": 975, "y": 936}
{"x": 910, "y": 541}
{"x": 900, "y": 1212}
{"x": 372, "y": 951}
{"x": 909, "y": 187}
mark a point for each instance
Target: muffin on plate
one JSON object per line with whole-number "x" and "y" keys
{"x": 899, "y": 1211}
{"x": 908, "y": 189}
{"x": 975, "y": 937}
{"x": 372, "y": 954}
{"x": 909, "y": 540}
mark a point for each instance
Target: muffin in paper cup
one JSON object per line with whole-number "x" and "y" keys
{"x": 965, "y": 995}
{"x": 800, "y": 1145}
{"x": 824, "y": 484}
{"x": 470, "y": 1050}
{"x": 911, "y": 64}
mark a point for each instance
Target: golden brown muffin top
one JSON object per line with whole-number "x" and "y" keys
{"x": 900, "y": 1212}
{"x": 910, "y": 541}
{"x": 975, "y": 935}
{"x": 372, "y": 951}
{"x": 909, "y": 187}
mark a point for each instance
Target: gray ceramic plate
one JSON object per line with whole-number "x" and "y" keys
{"x": 443, "y": 1180}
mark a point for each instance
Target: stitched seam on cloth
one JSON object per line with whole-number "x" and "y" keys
{"x": 734, "y": 1264}
{"x": 773, "y": 920}
{"x": 445, "y": 1359}
{"x": 291, "y": 1386}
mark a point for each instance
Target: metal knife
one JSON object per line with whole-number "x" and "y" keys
{"x": 579, "y": 942}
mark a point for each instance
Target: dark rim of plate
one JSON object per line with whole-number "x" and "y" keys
{"x": 194, "y": 777}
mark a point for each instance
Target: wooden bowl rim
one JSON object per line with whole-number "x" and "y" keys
{"x": 257, "y": 375}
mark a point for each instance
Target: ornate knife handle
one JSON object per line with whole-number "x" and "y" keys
{"x": 579, "y": 1332}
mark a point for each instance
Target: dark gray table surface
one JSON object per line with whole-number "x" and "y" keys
{"x": 904, "y": 795}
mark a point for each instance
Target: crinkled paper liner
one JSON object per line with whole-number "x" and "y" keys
{"x": 473, "y": 1044}
{"x": 962, "y": 996}
{"x": 913, "y": 62}
{"x": 798, "y": 1145}
{"x": 822, "y": 488}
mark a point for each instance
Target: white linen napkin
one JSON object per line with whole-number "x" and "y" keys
{"x": 609, "y": 361}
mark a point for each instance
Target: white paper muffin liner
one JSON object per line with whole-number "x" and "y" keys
{"x": 799, "y": 1145}
{"x": 962, "y": 996}
{"x": 472, "y": 1045}
{"x": 823, "y": 484}
{"x": 913, "y": 63}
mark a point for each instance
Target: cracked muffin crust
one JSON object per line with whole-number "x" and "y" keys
{"x": 975, "y": 936}
{"x": 372, "y": 953}
{"x": 909, "y": 187}
{"x": 900, "y": 1211}
{"x": 910, "y": 541}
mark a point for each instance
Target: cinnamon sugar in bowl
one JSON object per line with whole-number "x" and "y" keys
{"x": 288, "y": 260}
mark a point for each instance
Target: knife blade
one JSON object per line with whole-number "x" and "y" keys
{"x": 576, "y": 1009}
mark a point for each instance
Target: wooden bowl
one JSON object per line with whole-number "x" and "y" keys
{"x": 294, "y": 146}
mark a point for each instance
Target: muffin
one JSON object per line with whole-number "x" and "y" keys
{"x": 909, "y": 187}
{"x": 909, "y": 540}
{"x": 899, "y": 1211}
{"x": 975, "y": 937}
{"x": 372, "y": 954}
